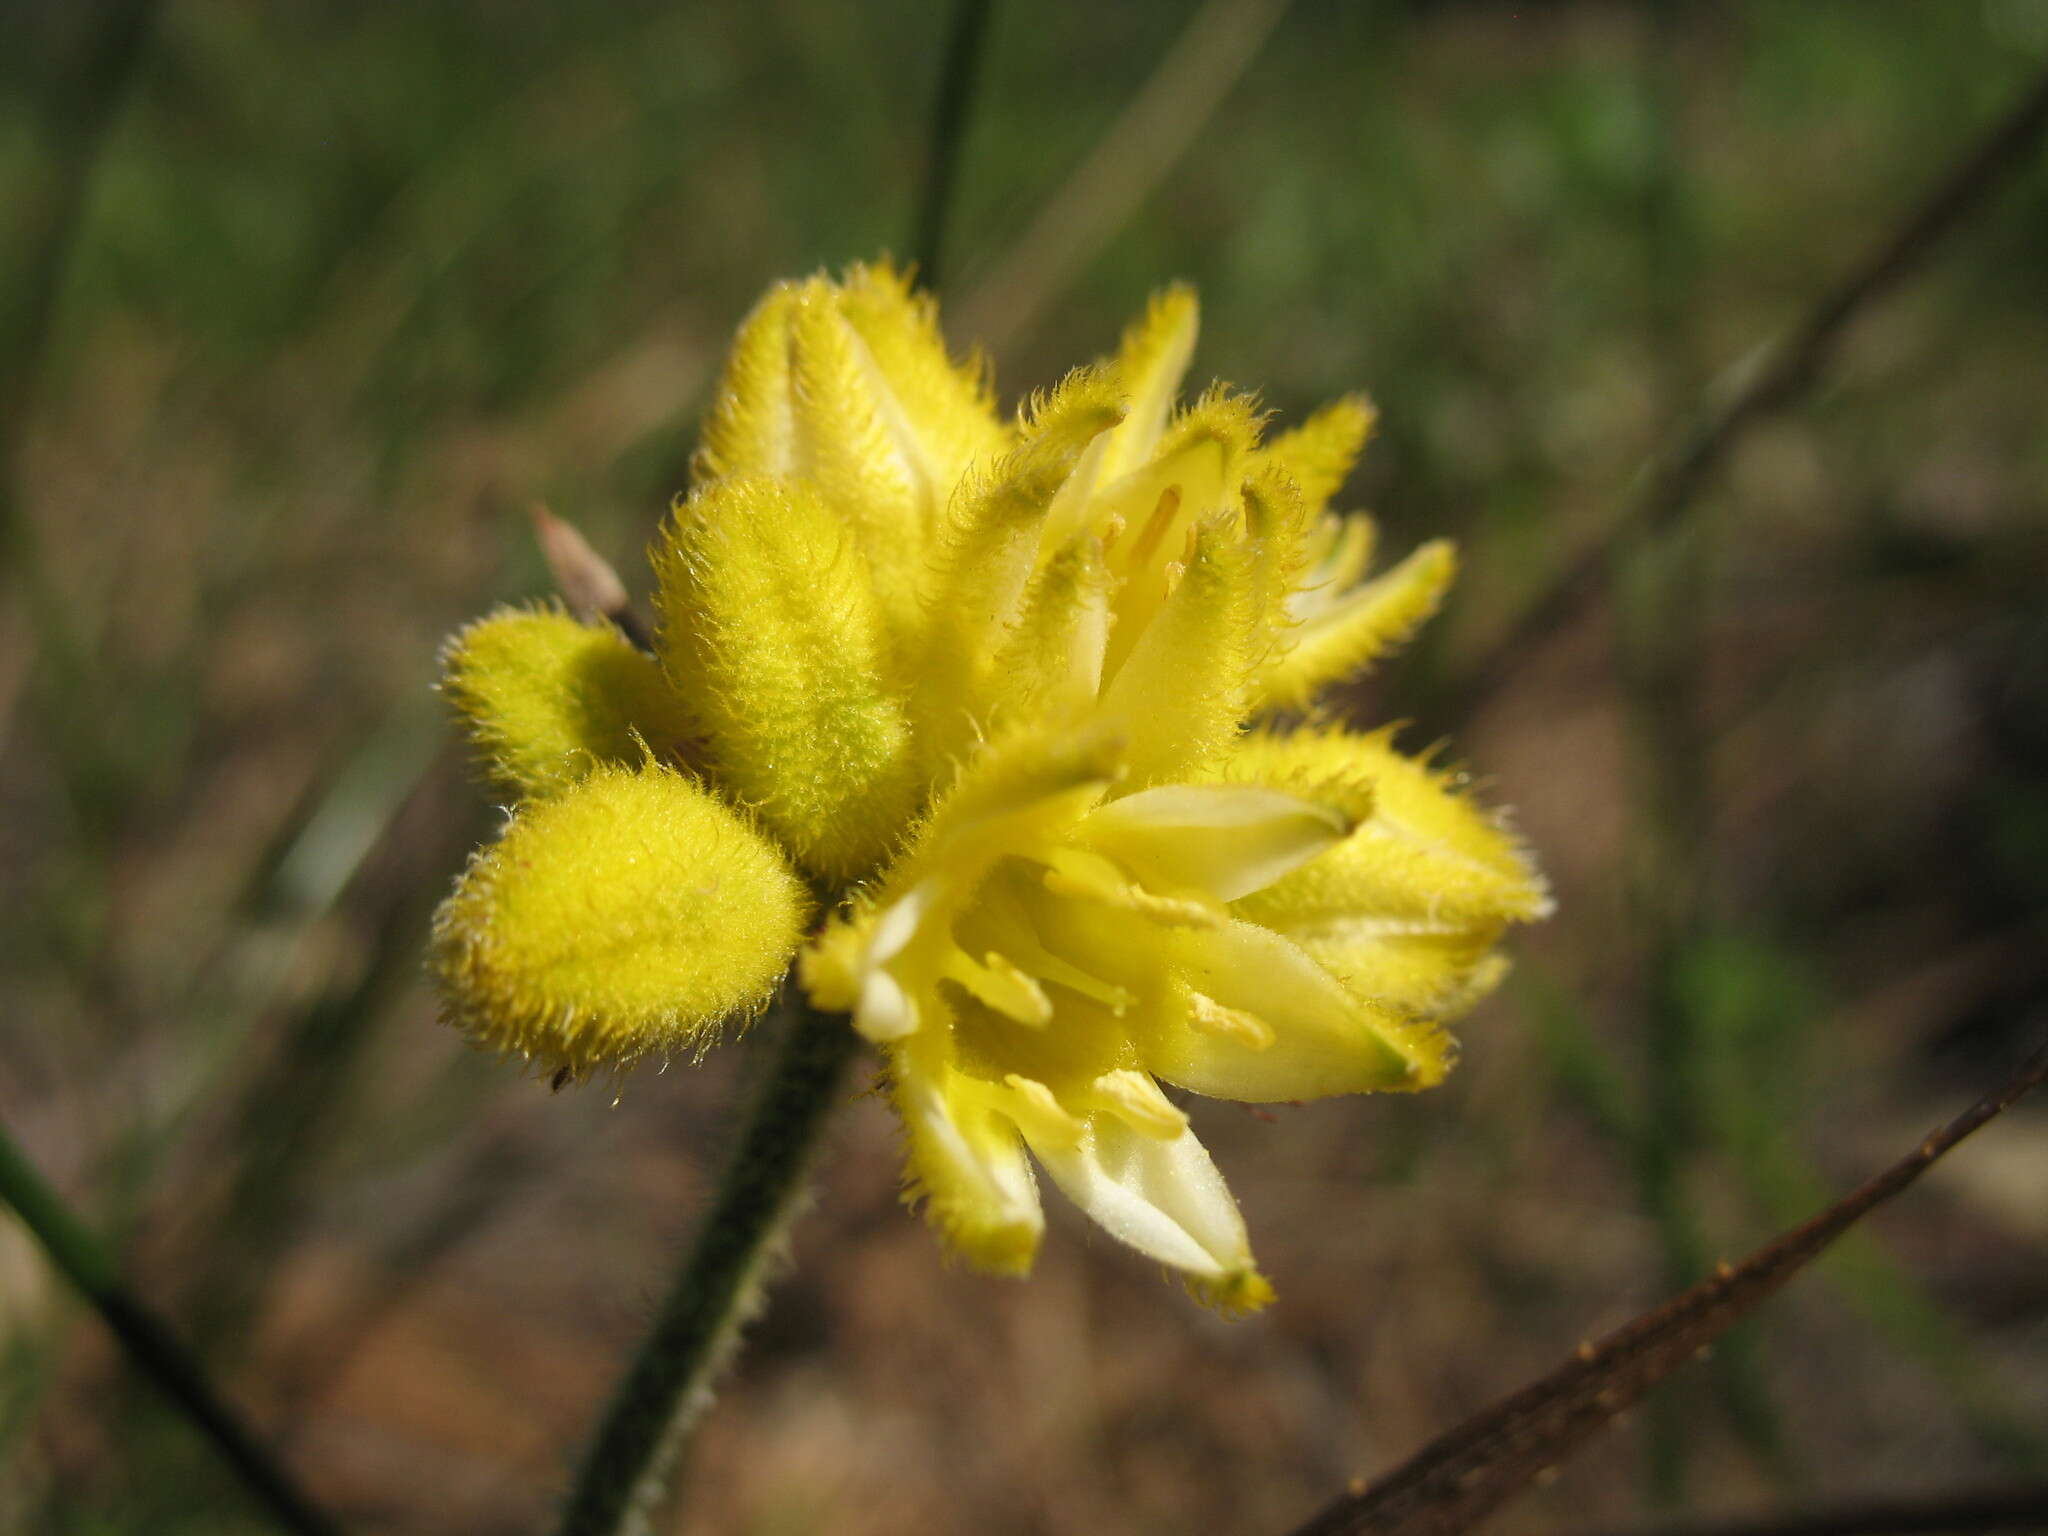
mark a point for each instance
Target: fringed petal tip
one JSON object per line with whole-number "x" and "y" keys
{"x": 1319, "y": 454}
{"x": 965, "y": 1165}
{"x": 1007, "y": 1250}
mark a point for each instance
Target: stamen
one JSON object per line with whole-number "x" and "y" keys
{"x": 1154, "y": 532}
{"x": 1232, "y": 1024}
{"x": 1024, "y": 950}
{"x": 1078, "y": 873}
{"x": 1116, "y": 999}
{"x": 1040, "y": 1112}
{"x": 997, "y": 982}
{"x": 1135, "y": 1099}
{"x": 1047, "y": 966}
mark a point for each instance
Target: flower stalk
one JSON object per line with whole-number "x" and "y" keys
{"x": 626, "y": 1470}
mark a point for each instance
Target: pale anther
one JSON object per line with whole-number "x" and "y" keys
{"x": 1233, "y": 1024}
{"x": 1000, "y": 985}
{"x": 1136, "y": 1100}
{"x": 1036, "y": 1104}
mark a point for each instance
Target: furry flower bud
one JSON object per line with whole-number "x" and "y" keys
{"x": 772, "y": 633}
{"x": 627, "y": 915}
{"x": 547, "y": 698}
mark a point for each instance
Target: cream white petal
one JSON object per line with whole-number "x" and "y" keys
{"x": 1318, "y": 1038}
{"x": 1163, "y": 1197}
{"x": 1224, "y": 840}
{"x": 885, "y": 1010}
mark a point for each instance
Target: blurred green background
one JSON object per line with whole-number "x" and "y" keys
{"x": 305, "y": 304}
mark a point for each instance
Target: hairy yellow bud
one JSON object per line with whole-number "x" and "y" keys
{"x": 548, "y": 698}
{"x": 773, "y": 635}
{"x": 627, "y": 915}
{"x": 848, "y": 385}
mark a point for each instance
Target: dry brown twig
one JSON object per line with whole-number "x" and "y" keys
{"x": 1463, "y": 1476}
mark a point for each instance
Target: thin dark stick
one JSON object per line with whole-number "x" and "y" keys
{"x": 1463, "y": 1476}
{"x": 149, "y": 1344}
{"x": 2004, "y": 1509}
{"x": 958, "y": 75}
{"x": 1671, "y": 481}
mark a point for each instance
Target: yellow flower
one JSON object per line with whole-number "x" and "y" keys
{"x": 1295, "y": 923}
{"x": 995, "y": 679}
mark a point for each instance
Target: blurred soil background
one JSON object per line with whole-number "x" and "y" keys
{"x": 306, "y": 304}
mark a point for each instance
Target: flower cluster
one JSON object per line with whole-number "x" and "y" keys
{"x": 1003, "y": 691}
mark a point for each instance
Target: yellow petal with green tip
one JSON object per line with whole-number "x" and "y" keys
{"x": 1427, "y": 857}
{"x": 548, "y": 698}
{"x": 1259, "y": 1020}
{"x": 626, "y": 916}
{"x": 1164, "y": 1197}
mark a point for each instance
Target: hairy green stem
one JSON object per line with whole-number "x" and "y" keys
{"x": 149, "y": 1344}
{"x": 625, "y": 1472}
